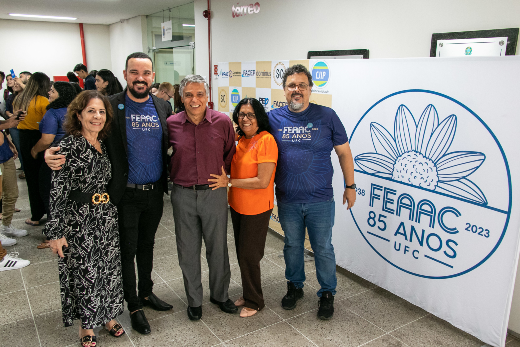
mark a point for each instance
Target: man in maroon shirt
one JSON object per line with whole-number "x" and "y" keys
{"x": 203, "y": 142}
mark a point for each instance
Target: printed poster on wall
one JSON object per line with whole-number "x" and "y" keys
{"x": 166, "y": 30}
{"x": 435, "y": 146}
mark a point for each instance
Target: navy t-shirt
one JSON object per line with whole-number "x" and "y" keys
{"x": 305, "y": 141}
{"x": 52, "y": 123}
{"x": 5, "y": 151}
{"x": 144, "y": 138}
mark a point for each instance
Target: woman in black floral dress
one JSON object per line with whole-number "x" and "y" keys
{"x": 83, "y": 229}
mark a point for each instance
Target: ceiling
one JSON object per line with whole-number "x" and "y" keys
{"x": 87, "y": 11}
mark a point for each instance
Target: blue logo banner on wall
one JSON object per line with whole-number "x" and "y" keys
{"x": 320, "y": 74}
{"x": 417, "y": 176}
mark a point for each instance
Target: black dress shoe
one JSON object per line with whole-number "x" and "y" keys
{"x": 140, "y": 323}
{"x": 226, "y": 306}
{"x": 157, "y": 304}
{"x": 194, "y": 313}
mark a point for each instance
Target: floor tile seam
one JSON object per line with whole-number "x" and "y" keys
{"x": 366, "y": 343}
{"x": 415, "y": 320}
{"x": 252, "y": 332}
{"x": 354, "y": 295}
{"x": 398, "y": 339}
{"x": 125, "y": 328}
{"x": 274, "y": 263}
{"x": 302, "y": 334}
{"x": 218, "y": 338}
{"x": 30, "y": 308}
{"x": 14, "y": 291}
{"x": 165, "y": 227}
{"x": 377, "y": 326}
{"x": 163, "y": 256}
{"x": 170, "y": 287}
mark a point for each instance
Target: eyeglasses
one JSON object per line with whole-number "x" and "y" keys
{"x": 293, "y": 86}
{"x": 249, "y": 116}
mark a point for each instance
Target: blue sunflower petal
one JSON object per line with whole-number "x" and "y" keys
{"x": 442, "y": 138}
{"x": 457, "y": 165}
{"x": 427, "y": 124}
{"x": 462, "y": 189}
{"x": 374, "y": 162}
{"x": 404, "y": 130}
{"x": 383, "y": 141}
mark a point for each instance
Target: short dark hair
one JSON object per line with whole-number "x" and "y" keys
{"x": 137, "y": 55}
{"x": 261, "y": 117}
{"x": 72, "y": 125}
{"x": 25, "y": 73}
{"x": 3, "y": 75}
{"x": 80, "y": 67}
{"x": 296, "y": 69}
{"x": 72, "y": 77}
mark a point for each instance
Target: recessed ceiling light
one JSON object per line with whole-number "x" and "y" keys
{"x": 38, "y": 16}
{"x": 188, "y": 25}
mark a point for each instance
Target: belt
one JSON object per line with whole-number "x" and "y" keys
{"x": 149, "y": 186}
{"x": 196, "y": 187}
{"x": 87, "y": 198}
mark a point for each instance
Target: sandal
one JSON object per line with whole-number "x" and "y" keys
{"x": 247, "y": 312}
{"x": 116, "y": 328}
{"x": 31, "y": 222}
{"x": 44, "y": 244}
{"x": 88, "y": 341}
{"x": 240, "y": 301}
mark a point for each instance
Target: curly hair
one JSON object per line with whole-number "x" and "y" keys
{"x": 72, "y": 124}
{"x": 261, "y": 117}
{"x": 296, "y": 69}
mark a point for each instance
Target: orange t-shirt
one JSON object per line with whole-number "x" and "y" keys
{"x": 261, "y": 148}
{"x": 35, "y": 112}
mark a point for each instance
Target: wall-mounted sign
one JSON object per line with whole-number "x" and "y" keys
{"x": 237, "y": 11}
{"x": 166, "y": 30}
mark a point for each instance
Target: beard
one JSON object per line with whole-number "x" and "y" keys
{"x": 295, "y": 106}
{"x": 137, "y": 94}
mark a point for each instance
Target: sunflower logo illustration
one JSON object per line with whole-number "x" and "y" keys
{"x": 418, "y": 155}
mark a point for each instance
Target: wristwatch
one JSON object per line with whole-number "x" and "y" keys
{"x": 229, "y": 184}
{"x": 353, "y": 186}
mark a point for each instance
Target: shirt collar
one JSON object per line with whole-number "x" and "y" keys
{"x": 184, "y": 116}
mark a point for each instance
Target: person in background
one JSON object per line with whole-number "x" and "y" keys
{"x": 177, "y": 100}
{"x": 203, "y": 141}
{"x": 107, "y": 83}
{"x": 89, "y": 80}
{"x": 154, "y": 89}
{"x": 8, "y": 261}
{"x": 72, "y": 77}
{"x": 51, "y": 127}
{"x": 9, "y": 186}
{"x": 309, "y": 206}
{"x": 83, "y": 227}
{"x": 33, "y": 101}
{"x": 4, "y": 95}
{"x": 76, "y": 87}
{"x": 165, "y": 91}
{"x": 17, "y": 87}
{"x": 251, "y": 196}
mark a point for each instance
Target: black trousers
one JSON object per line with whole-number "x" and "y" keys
{"x": 250, "y": 234}
{"x": 140, "y": 212}
{"x": 28, "y": 138}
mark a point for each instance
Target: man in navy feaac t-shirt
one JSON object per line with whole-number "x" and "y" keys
{"x": 306, "y": 134}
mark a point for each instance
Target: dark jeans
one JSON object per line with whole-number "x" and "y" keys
{"x": 140, "y": 212}
{"x": 28, "y": 139}
{"x": 250, "y": 234}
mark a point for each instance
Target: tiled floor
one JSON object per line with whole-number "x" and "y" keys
{"x": 366, "y": 315}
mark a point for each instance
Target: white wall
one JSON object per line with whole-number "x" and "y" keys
{"x": 389, "y": 29}
{"x": 126, "y": 38}
{"x": 52, "y": 48}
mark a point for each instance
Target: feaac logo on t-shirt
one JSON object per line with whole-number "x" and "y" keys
{"x": 144, "y": 122}
{"x": 437, "y": 182}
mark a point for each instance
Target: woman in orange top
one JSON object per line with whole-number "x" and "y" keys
{"x": 32, "y": 101}
{"x": 251, "y": 196}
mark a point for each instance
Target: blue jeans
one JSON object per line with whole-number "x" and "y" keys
{"x": 318, "y": 217}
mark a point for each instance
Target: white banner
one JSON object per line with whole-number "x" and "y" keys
{"x": 434, "y": 142}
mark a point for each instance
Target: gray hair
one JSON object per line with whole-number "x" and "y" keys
{"x": 192, "y": 79}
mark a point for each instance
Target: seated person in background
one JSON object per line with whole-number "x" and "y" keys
{"x": 107, "y": 83}
{"x": 82, "y": 72}
{"x": 165, "y": 91}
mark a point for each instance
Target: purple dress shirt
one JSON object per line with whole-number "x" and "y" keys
{"x": 200, "y": 150}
